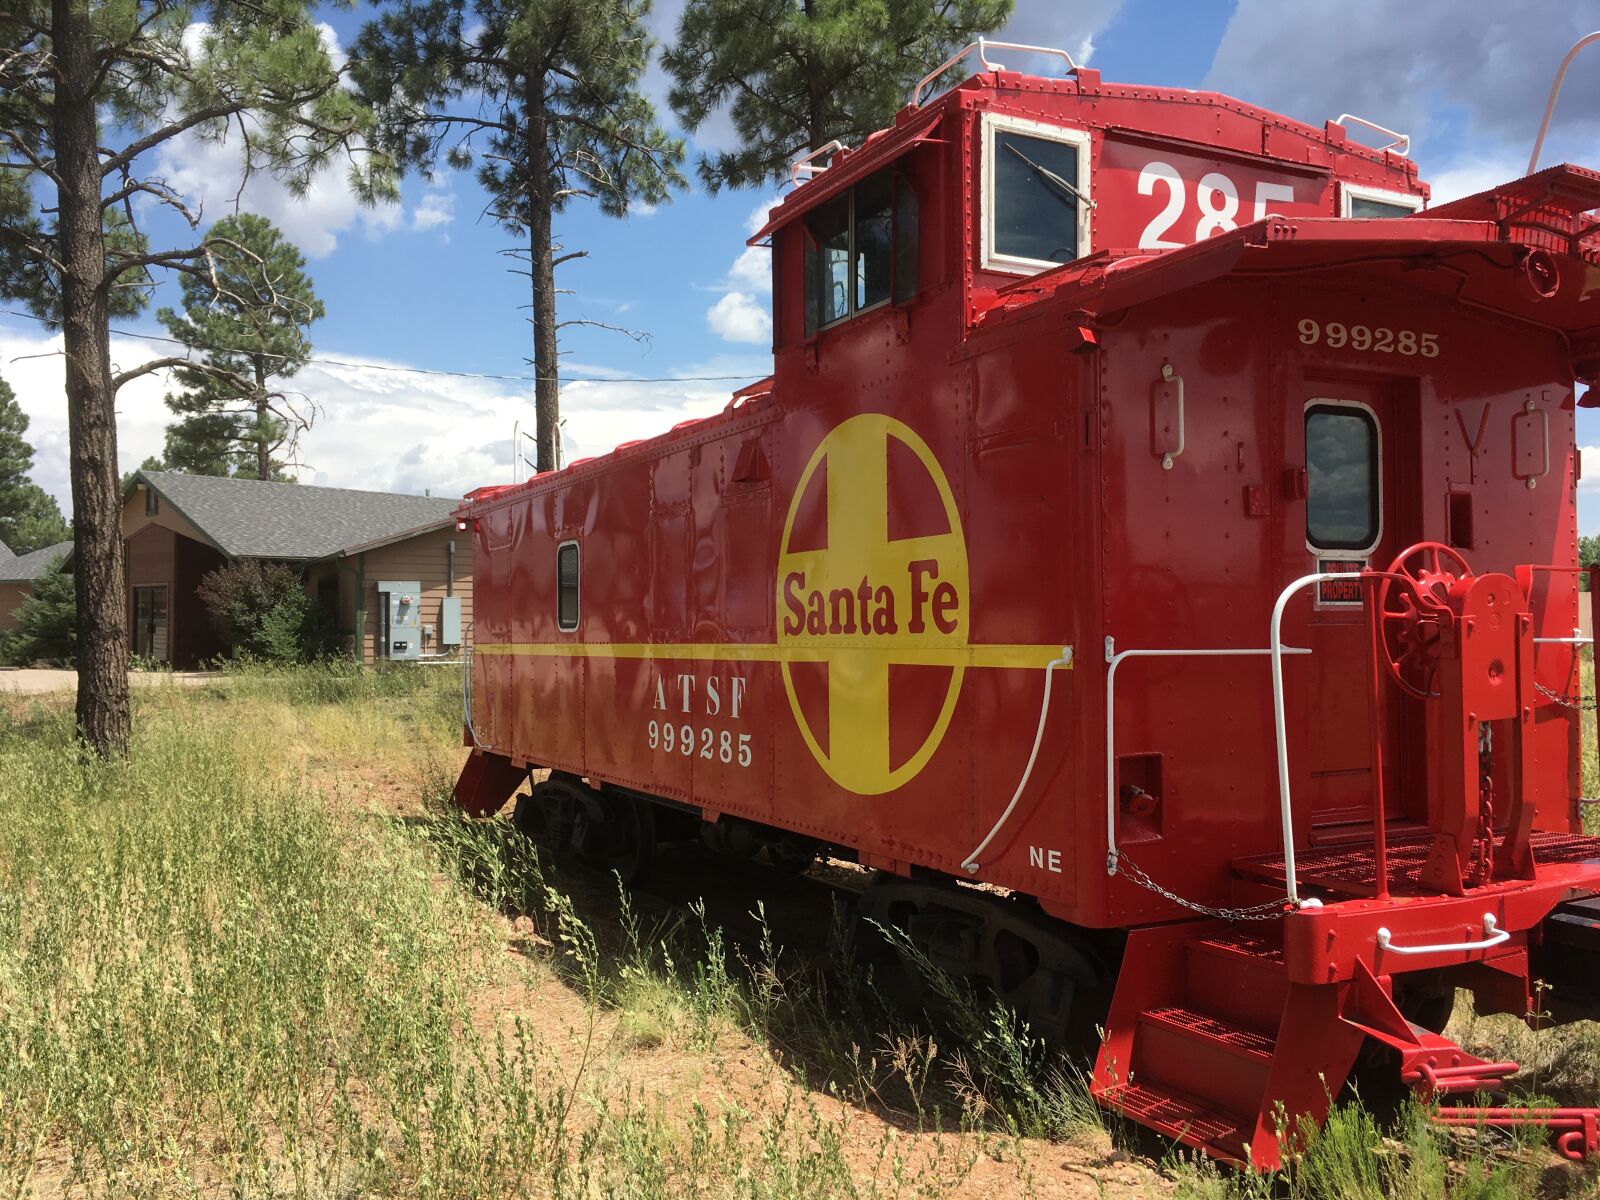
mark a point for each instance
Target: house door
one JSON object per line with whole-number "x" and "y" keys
{"x": 1348, "y": 443}
{"x": 150, "y": 623}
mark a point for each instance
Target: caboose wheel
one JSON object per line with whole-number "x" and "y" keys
{"x": 1036, "y": 966}
{"x": 608, "y": 831}
{"x": 1414, "y": 610}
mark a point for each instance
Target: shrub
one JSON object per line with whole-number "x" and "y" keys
{"x": 261, "y": 610}
{"x": 47, "y": 623}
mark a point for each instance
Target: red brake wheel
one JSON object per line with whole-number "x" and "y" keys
{"x": 1413, "y": 607}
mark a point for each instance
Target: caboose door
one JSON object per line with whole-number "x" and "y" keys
{"x": 1344, "y": 447}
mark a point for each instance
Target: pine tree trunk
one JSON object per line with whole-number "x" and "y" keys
{"x": 541, "y": 267}
{"x": 98, "y": 576}
{"x": 263, "y": 450}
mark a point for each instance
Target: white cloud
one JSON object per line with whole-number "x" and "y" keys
{"x": 1589, "y": 468}
{"x": 381, "y": 429}
{"x": 739, "y": 317}
{"x": 752, "y": 270}
{"x": 208, "y": 173}
{"x": 1070, "y": 27}
{"x": 1430, "y": 67}
{"x": 437, "y": 207}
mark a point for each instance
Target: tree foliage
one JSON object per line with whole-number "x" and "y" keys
{"x": 249, "y": 321}
{"x": 30, "y": 519}
{"x": 46, "y": 629}
{"x": 260, "y": 610}
{"x": 794, "y": 77}
{"x": 90, "y": 92}
{"x": 543, "y": 96}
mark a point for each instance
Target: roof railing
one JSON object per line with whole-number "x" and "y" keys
{"x": 1400, "y": 142}
{"x": 983, "y": 46}
{"x": 805, "y": 166}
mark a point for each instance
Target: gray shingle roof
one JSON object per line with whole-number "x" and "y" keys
{"x": 25, "y": 568}
{"x": 249, "y": 518}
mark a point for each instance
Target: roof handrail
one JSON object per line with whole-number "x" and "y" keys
{"x": 804, "y": 163}
{"x": 983, "y": 46}
{"x": 1555, "y": 90}
{"x": 1402, "y": 141}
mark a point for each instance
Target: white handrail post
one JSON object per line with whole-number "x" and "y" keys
{"x": 1280, "y": 726}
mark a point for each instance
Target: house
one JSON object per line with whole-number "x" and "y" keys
{"x": 17, "y": 573}
{"x": 390, "y": 569}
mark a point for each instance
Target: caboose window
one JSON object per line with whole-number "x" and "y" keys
{"x": 1358, "y": 201}
{"x": 1036, "y": 195}
{"x": 860, "y": 249}
{"x": 1342, "y": 490}
{"x": 567, "y": 586}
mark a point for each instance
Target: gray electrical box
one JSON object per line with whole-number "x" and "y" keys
{"x": 450, "y": 621}
{"x": 400, "y": 619}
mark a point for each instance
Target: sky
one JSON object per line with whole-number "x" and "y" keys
{"x": 416, "y": 382}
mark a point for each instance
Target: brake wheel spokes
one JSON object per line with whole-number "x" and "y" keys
{"x": 1413, "y": 606}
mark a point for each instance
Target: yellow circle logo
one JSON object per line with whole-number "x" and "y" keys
{"x": 872, "y": 599}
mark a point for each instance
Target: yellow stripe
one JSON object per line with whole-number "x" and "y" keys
{"x": 818, "y": 650}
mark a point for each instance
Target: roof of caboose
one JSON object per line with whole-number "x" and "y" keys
{"x": 1478, "y": 241}
{"x": 1169, "y": 114}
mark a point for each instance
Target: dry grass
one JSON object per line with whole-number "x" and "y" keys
{"x": 261, "y": 959}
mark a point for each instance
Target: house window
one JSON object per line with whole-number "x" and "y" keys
{"x": 152, "y": 502}
{"x": 567, "y": 586}
{"x": 1342, "y": 488}
{"x": 860, "y": 250}
{"x": 150, "y": 623}
{"x": 1036, "y": 202}
{"x": 1365, "y": 202}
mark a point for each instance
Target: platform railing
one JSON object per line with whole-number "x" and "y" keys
{"x": 1114, "y": 659}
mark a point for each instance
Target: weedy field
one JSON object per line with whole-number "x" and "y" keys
{"x": 262, "y": 958}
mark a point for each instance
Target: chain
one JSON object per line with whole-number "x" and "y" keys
{"x": 1580, "y": 703}
{"x": 1272, "y": 910}
{"x": 1483, "y": 843}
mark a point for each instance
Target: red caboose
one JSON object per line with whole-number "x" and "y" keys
{"x": 1155, "y": 514}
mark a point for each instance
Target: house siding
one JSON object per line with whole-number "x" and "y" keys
{"x": 157, "y": 555}
{"x": 11, "y": 597}
{"x": 426, "y": 559}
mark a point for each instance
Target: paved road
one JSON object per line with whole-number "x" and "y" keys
{"x": 38, "y": 682}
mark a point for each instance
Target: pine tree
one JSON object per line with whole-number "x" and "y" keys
{"x": 90, "y": 90}
{"x": 544, "y": 96}
{"x": 250, "y": 322}
{"x": 795, "y": 76}
{"x": 29, "y": 517}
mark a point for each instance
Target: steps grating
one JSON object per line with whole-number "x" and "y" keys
{"x": 1240, "y": 942}
{"x": 1178, "y": 1114}
{"x": 1248, "y": 1041}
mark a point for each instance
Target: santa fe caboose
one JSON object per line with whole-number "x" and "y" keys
{"x": 1157, "y": 515}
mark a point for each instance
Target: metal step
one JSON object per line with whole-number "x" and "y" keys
{"x": 1186, "y": 1118}
{"x": 1249, "y": 1044}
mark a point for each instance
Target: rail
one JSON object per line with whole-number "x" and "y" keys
{"x": 1114, "y": 659}
{"x": 1280, "y": 725}
{"x": 983, "y": 46}
{"x": 1492, "y": 936}
{"x": 970, "y": 864}
{"x": 1555, "y": 90}
{"x": 805, "y": 164}
{"x": 1401, "y": 142}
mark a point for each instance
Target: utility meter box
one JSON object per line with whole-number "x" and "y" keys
{"x": 450, "y": 621}
{"x": 400, "y": 619}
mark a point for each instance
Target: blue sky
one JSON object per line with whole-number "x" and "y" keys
{"x": 424, "y": 284}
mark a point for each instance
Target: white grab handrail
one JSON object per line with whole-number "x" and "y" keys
{"x": 1114, "y": 659}
{"x": 970, "y": 864}
{"x": 1493, "y": 936}
{"x": 1555, "y": 90}
{"x": 1280, "y": 724}
{"x": 1402, "y": 141}
{"x": 983, "y": 46}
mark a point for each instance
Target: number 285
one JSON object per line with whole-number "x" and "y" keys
{"x": 1336, "y": 335}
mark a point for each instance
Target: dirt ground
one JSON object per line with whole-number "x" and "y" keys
{"x": 41, "y": 681}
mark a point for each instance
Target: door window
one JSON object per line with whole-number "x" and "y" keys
{"x": 1342, "y": 501}
{"x": 150, "y": 623}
